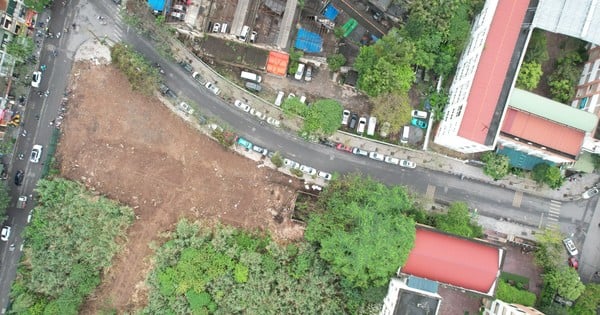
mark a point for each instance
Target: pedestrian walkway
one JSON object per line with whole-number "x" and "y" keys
{"x": 571, "y": 190}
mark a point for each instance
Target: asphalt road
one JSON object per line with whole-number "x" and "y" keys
{"x": 489, "y": 199}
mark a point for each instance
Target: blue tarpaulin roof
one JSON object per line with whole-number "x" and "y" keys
{"x": 157, "y": 5}
{"x": 308, "y": 41}
{"x": 330, "y": 12}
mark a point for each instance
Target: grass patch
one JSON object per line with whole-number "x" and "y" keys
{"x": 515, "y": 280}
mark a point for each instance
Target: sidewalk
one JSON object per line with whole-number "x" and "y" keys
{"x": 571, "y": 190}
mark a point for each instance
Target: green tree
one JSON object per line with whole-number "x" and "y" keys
{"x": 510, "y": 294}
{"x": 323, "y": 118}
{"x": 538, "y": 173}
{"x": 359, "y": 221}
{"x": 458, "y": 221}
{"x": 386, "y": 77}
{"x": 529, "y": 75}
{"x": 588, "y": 301}
{"x": 4, "y": 201}
{"x": 292, "y": 106}
{"x": 550, "y": 175}
{"x": 496, "y": 165}
{"x": 537, "y": 50}
{"x": 565, "y": 281}
{"x": 277, "y": 159}
{"x": 20, "y": 47}
{"x": 394, "y": 108}
{"x": 38, "y": 5}
{"x": 550, "y": 249}
{"x": 336, "y": 61}
{"x": 562, "y": 90}
{"x": 140, "y": 73}
{"x": 438, "y": 101}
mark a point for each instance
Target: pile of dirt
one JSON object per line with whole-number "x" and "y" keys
{"x": 133, "y": 149}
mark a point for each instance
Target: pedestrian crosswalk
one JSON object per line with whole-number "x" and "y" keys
{"x": 517, "y": 199}
{"x": 430, "y": 193}
{"x": 552, "y": 221}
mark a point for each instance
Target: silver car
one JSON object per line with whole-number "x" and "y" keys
{"x": 376, "y": 156}
{"x": 308, "y": 170}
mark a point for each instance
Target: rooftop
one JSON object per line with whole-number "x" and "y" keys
{"x": 463, "y": 263}
{"x": 552, "y": 110}
{"x": 485, "y": 103}
{"x": 579, "y": 19}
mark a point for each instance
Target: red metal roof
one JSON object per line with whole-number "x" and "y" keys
{"x": 277, "y": 63}
{"x": 452, "y": 260}
{"x": 541, "y": 131}
{"x": 492, "y": 69}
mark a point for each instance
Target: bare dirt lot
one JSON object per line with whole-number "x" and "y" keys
{"x": 133, "y": 149}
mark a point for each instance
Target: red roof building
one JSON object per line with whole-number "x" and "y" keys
{"x": 467, "y": 264}
{"x": 484, "y": 77}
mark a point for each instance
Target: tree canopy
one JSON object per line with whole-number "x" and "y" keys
{"x": 71, "y": 238}
{"x": 323, "y": 117}
{"x": 458, "y": 221}
{"x": 20, "y": 47}
{"x": 496, "y": 165}
{"x": 361, "y": 229}
{"x": 4, "y": 201}
{"x": 588, "y": 301}
{"x": 141, "y": 74}
{"x": 336, "y": 61}
{"x": 529, "y": 75}
{"x": 565, "y": 281}
{"x": 394, "y": 108}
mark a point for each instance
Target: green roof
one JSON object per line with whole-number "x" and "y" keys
{"x": 552, "y": 110}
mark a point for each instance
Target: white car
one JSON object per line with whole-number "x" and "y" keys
{"x": 590, "y": 193}
{"x": 291, "y": 164}
{"x": 258, "y": 114}
{"x": 362, "y": 123}
{"x": 391, "y": 160}
{"x": 570, "y": 246}
{"x": 36, "y": 78}
{"x": 184, "y": 107}
{"x": 241, "y": 105}
{"x": 419, "y": 114}
{"x": 359, "y": 151}
{"x": 376, "y": 156}
{"x": 273, "y": 121}
{"x": 36, "y": 153}
{"x": 5, "y": 235}
{"x": 213, "y": 88}
{"x": 345, "y": 116}
{"x": 407, "y": 164}
{"x": 308, "y": 170}
{"x": 299, "y": 72}
{"x": 308, "y": 74}
{"x": 260, "y": 150}
{"x": 324, "y": 175}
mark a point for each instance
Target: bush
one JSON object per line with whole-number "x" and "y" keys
{"x": 510, "y": 294}
{"x": 277, "y": 159}
{"x": 496, "y": 165}
{"x": 336, "y": 61}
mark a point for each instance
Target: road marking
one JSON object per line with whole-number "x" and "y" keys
{"x": 517, "y": 199}
{"x": 430, "y": 191}
{"x": 556, "y": 202}
{"x": 553, "y": 215}
{"x": 552, "y": 226}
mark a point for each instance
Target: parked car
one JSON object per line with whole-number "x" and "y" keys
{"x": 573, "y": 262}
{"x": 385, "y": 129}
{"x": 291, "y": 164}
{"x": 362, "y": 123}
{"x": 570, "y": 246}
{"x": 19, "y": 175}
{"x": 345, "y": 116}
{"x": 376, "y": 156}
{"x": 343, "y": 147}
{"x": 260, "y": 150}
{"x": 308, "y": 74}
{"x": 359, "y": 151}
{"x": 419, "y": 114}
{"x": 198, "y": 77}
{"x": 324, "y": 175}
{"x": 213, "y": 88}
{"x": 253, "y": 86}
{"x": 353, "y": 121}
{"x": 327, "y": 142}
{"x": 299, "y": 71}
{"x": 308, "y": 170}
{"x": 253, "y": 36}
{"x": 419, "y": 123}
{"x": 5, "y": 234}
{"x": 391, "y": 160}
{"x": 216, "y": 27}
{"x": 184, "y": 107}
{"x": 178, "y": 15}
{"x": 241, "y": 105}
{"x": 273, "y": 121}
{"x": 165, "y": 90}
{"x": 279, "y": 98}
{"x": 244, "y": 143}
{"x": 407, "y": 164}
{"x": 36, "y": 153}
{"x": 590, "y": 193}
{"x": 186, "y": 66}
{"x": 258, "y": 114}
{"x": 36, "y": 78}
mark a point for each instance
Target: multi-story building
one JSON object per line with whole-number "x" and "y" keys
{"x": 587, "y": 97}
{"x": 15, "y": 18}
{"x": 498, "y": 307}
{"x": 485, "y": 74}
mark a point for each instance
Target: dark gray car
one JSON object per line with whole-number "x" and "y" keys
{"x": 253, "y": 86}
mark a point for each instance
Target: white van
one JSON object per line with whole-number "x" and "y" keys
{"x": 251, "y": 76}
{"x": 299, "y": 72}
{"x": 405, "y": 134}
{"x": 244, "y": 33}
{"x": 224, "y": 28}
{"x": 371, "y": 127}
{"x": 279, "y": 98}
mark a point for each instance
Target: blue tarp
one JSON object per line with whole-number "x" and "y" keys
{"x": 308, "y": 41}
{"x": 157, "y": 5}
{"x": 521, "y": 159}
{"x": 330, "y": 12}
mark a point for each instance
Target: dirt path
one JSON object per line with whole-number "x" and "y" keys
{"x": 134, "y": 150}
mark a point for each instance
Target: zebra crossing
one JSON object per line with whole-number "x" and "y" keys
{"x": 552, "y": 221}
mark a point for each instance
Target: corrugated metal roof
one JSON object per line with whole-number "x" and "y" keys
{"x": 579, "y": 19}
{"x": 492, "y": 70}
{"x": 552, "y": 110}
{"x": 422, "y": 284}
{"x": 449, "y": 259}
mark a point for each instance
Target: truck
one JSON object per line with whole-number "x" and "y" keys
{"x": 22, "y": 202}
